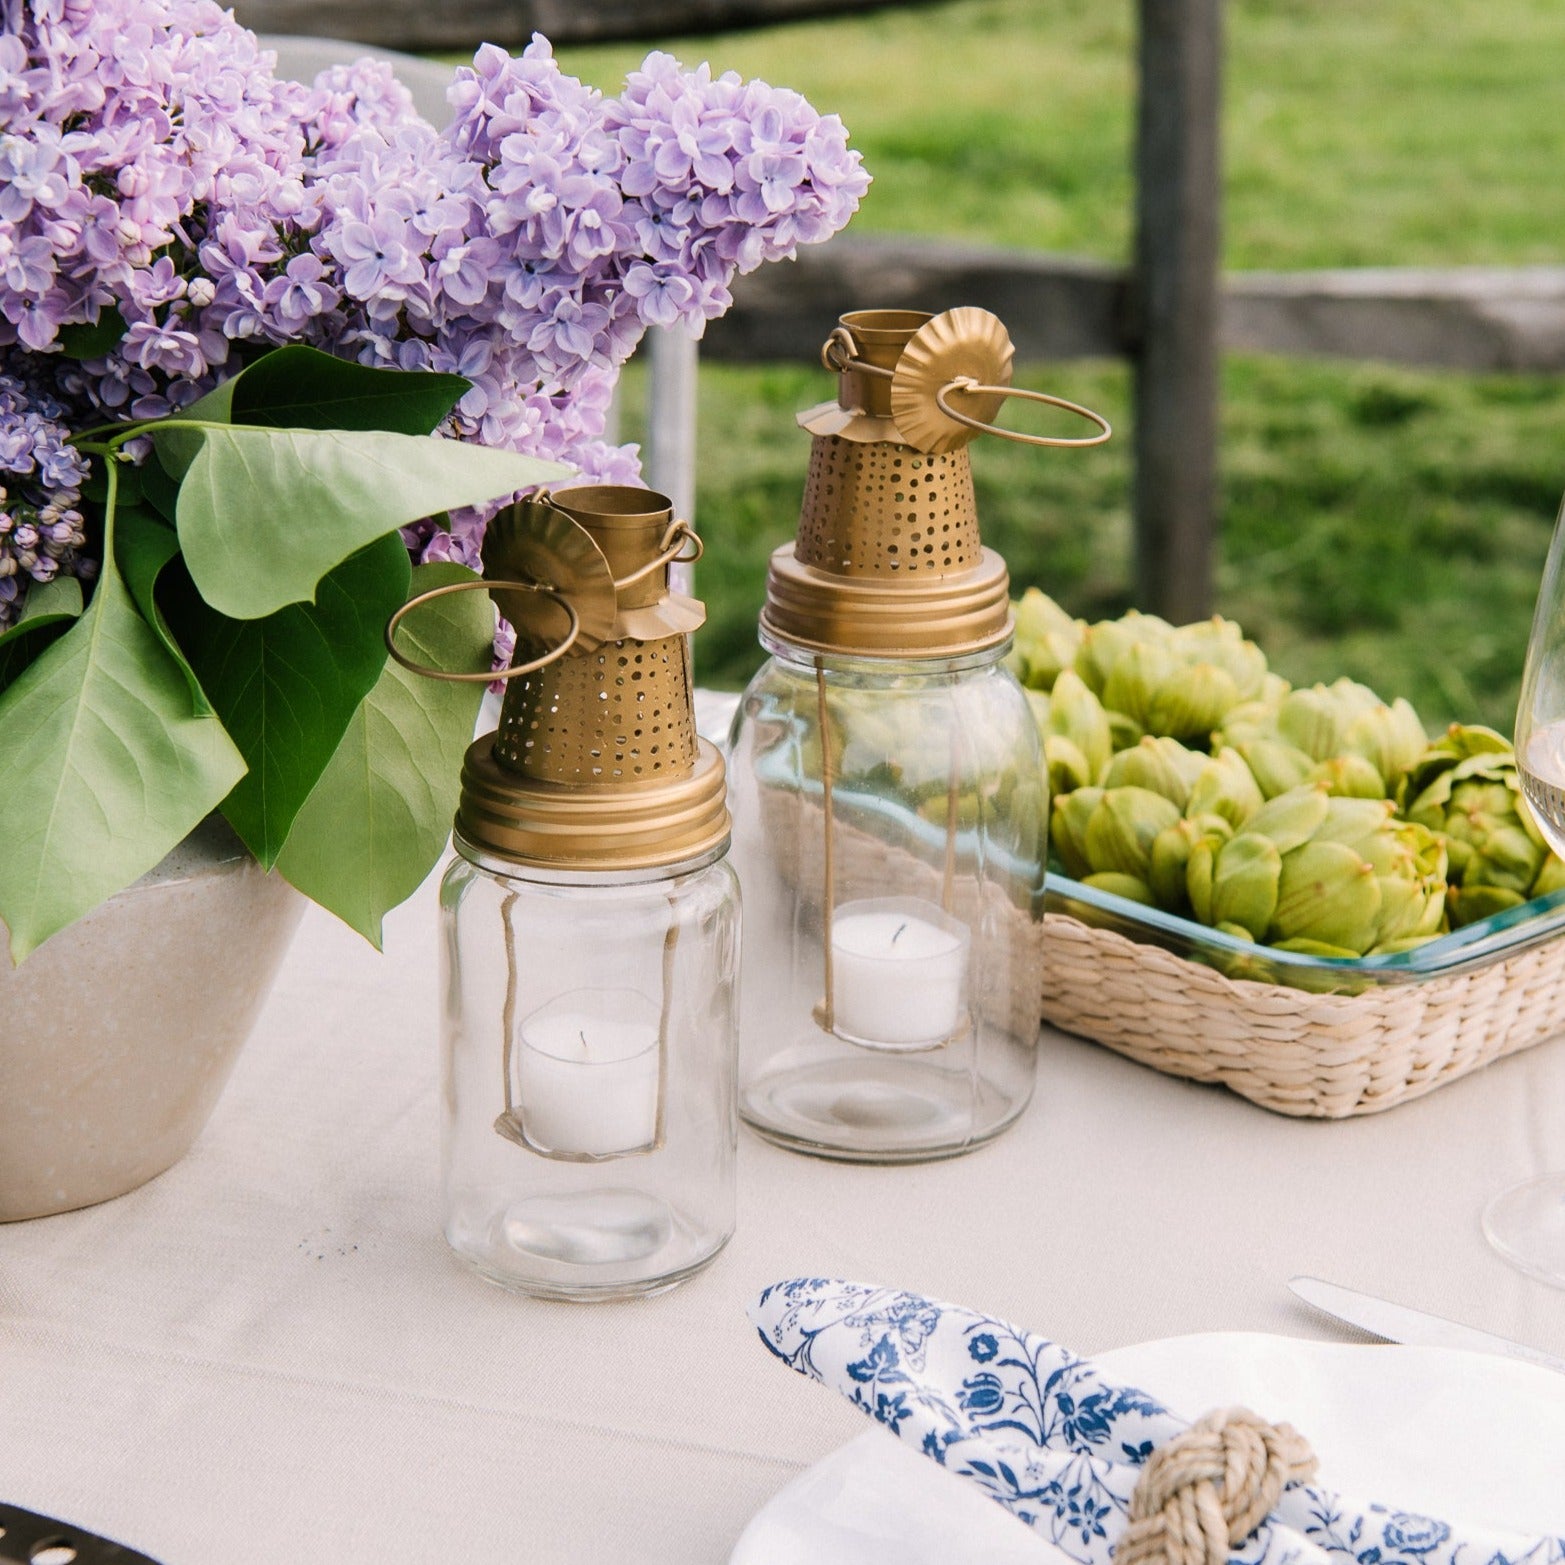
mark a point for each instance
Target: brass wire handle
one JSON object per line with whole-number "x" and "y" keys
{"x": 489, "y": 676}
{"x": 965, "y": 385}
{"x": 670, "y": 552}
{"x": 840, "y": 352}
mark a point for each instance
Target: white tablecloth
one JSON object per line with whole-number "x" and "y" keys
{"x": 268, "y": 1353}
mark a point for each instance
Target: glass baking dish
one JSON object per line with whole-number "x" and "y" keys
{"x": 1463, "y": 950}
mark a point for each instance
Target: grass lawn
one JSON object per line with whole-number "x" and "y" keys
{"x": 1376, "y": 522}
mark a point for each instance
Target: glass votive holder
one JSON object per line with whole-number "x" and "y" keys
{"x": 589, "y": 1115}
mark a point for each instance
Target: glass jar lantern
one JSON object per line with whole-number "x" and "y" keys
{"x": 590, "y": 925}
{"x": 889, "y": 801}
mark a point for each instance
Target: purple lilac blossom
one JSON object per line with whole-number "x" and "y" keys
{"x": 42, "y": 530}
{"x": 151, "y": 163}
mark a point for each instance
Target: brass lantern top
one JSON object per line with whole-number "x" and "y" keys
{"x": 888, "y": 561}
{"x": 596, "y": 765}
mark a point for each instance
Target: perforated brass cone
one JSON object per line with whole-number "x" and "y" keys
{"x": 886, "y": 510}
{"x": 596, "y": 764}
{"x": 622, "y": 714}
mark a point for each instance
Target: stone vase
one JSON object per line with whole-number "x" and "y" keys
{"x": 118, "y": 1034}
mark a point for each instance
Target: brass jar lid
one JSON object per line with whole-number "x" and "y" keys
{"x": 915, "y": 617}
{"x": 665, "y": 821}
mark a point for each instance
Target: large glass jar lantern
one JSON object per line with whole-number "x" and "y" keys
{"x": 591, "y": 925}
{"x": 890, "y": 807}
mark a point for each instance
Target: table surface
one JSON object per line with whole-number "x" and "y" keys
{"x": 269, "y": 1353}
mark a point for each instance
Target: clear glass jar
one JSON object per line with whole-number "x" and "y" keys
{"x": 893, "y": 949}
{"x": 588, "y": 1111}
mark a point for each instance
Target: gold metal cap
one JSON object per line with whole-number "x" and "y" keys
{"x": 919, "y": 616}
{"x": 669, "y": 820}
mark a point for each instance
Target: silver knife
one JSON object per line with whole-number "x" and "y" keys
{"x": 1398, "y": 1323}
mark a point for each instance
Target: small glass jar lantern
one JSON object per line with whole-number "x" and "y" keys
{"x": 591, "y": 925}
{"x": 890, "y": 806}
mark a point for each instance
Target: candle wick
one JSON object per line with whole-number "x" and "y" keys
{"x": 581, "y": 1033}
{"x": 896, "y": 937}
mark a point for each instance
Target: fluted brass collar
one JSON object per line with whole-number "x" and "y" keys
{"x": 911, "y": 617}
{"x": 656, "y": 824}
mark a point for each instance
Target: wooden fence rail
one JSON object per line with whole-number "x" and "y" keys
{"x": 1061, "y": 307}
{"x": 459, "y": 25}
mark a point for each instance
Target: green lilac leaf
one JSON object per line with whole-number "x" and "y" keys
{"x": 296, "y": 387}
{"x": 265, "y": 513}
{"x": 378, "y": 819}
{"x": 104, "y": 769}
{"x": 92, "y": 339}
{"x": 143, "y": 546}
{"x": 50, "y": 607}
{"x": 287, "y": 686}
{"x": 302, "y": 388}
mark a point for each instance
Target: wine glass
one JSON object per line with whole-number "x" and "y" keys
{"x": 1526, "y": 1223}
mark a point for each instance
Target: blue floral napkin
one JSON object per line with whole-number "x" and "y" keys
{"x": 1057, "y": 1443}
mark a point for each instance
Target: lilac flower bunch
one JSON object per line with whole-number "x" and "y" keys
{"x": 41, "y": 528}
{"x": 169, "y": 210}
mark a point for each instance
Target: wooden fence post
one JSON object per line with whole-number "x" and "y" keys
{"x": 1175, "y": 305}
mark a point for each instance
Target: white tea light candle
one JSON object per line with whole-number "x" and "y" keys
{"x": 898, "y": 971}
{"x": 589, "y": 1073}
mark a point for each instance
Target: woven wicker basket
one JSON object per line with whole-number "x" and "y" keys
{"x": 1327, "y": 1056}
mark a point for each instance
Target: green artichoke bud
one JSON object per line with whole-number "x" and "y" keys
{"x": 1465, "y": 787}
{"x": 1225, "y": 786}
{"x": 1292, "y": 818}
{"x": 1244, "y": 883}
{"x": 1121, "y": 829}
{"x": 1160, "y": 765}
{"x": 1345, "y": 718}
{"x": 1351, "y": 776}
{"x": 1246, "y": 723}
{"x": 1275, "y": 764}
{"x": 1220, "y": 643}
{"x": 1127, "y": 886}
{"x": 1068, "y": 829}
{"x": 1103, "y": 645}
{"x": 1076, "y": 714}
{"x": 1136, "y": 675}
{"x": 1067, "y": 766}
{"x": 1047, "y": 640}
{"x": 1312, "y": 871}
{"x": 1192, "y": 701}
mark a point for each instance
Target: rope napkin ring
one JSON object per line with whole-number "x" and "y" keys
{"x": 1099, "y": 1469}
{"x": 1205, "y": 1492}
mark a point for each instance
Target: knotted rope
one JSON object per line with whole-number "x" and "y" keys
{"x": 1205, "y": 1491}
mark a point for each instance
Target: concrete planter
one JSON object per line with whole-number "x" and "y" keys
{"x": 118, "y": 1035}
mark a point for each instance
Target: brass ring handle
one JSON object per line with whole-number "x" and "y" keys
{"x": 487, "y": 677}
{"x": 963, "y": 383}
{"x": 839, "y": 352}
{"x": 670, "y": 552}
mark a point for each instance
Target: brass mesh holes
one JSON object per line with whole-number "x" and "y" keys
{"x": 883, "y": 509}
{"x": 620, "y": 715}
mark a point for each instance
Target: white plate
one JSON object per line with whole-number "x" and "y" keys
{"x": 1467, "y": 1437}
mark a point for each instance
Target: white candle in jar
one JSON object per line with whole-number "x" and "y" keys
{"x": 589, "y": 1069}
{"x": 898, "y": 970}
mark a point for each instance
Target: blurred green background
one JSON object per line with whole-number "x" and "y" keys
{"x": 1375, "y": 522}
